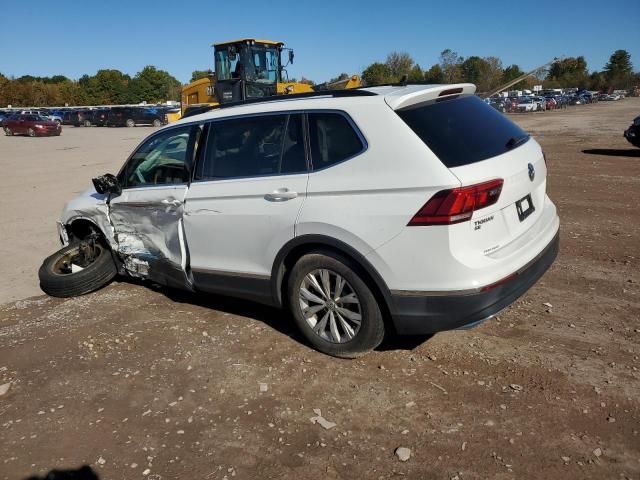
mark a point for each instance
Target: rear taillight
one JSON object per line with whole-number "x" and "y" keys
{"x": 457, "y": 204}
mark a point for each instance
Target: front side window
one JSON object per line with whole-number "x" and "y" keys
{"x": 164, "y": 159}
{"x": 332, "y": 139}
{"x": 251, "y": 147}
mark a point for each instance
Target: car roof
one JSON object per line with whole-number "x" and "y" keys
{"x": 395, "y": 96}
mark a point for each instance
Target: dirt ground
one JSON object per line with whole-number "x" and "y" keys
{"x": 141, "y": 382}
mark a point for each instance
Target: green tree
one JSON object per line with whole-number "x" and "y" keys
{"x": 198, "y": 74}
{"x": 450, "y": 63}
{"x": 72, "y": 93}
{"x": 153, "y": 85}
{"x": 569, "y": 72}
{"x": 416, "y": 74}
{"x": 434, "y": 74}
{"x": 619, "y": 69}
{"x": 399, "y": 64}
{"x": 511, "y": 73}
{"x": 106, "y": 87}
{"x": 376, "y": 74}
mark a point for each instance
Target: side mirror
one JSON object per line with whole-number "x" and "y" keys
{"x": 290, "y": 56}
{"x": 107, "y": 183}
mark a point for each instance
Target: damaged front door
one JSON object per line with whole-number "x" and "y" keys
{"x": 147, "y": 216}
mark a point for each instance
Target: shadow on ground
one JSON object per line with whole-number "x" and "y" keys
{"x": 614, "y": 152}
{"x": 82, "y": 473}
{"x": 279, "y": 320}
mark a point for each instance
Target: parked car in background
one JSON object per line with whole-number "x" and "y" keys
{"x": 550, "y": 102}
{"x": 541, "y": 102}
{"x": 500, "y": 103}
{"x": 32, "y": 125}
{"x": 52, "y": 115}
{"x": 68, "y": 117}
{"x": 97, "y": 117}
{"x": 632, "y": 134}
{"x": 4, "y": 114}
{"x": 132, "y": 116}
{"x": 527, "y": 104}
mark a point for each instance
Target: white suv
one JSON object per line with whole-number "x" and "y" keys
{"x": 408, "y": 208}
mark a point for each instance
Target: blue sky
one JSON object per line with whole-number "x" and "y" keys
{"x": 72, "y": 38}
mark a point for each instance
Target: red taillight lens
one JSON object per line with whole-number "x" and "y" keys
{"x": 457, "y": 204}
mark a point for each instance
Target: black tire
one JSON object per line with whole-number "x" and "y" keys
{"x": 371, "y": 329}
{"x": 157, "y": 123}
{"x": 8, "y": 132}
{"x": 94, "y": 276}
{"x": 31, "y": 132}
{"x": 130, "y": 123}
{"x": 87, "y": 123}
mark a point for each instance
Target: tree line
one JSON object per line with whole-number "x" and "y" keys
{"x": 106, "y": 87}
{"x": 112, "y": 87}
{"x": 488, "y": 73}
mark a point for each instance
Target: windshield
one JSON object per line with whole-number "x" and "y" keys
{"x": 256, "y": 63}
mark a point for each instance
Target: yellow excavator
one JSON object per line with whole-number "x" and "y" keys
{"x": 247, "y": 69}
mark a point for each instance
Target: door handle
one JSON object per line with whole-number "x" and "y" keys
{"x": 281, "y": 195}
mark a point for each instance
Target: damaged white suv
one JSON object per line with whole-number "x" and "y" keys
{"x": 409, "y": 208}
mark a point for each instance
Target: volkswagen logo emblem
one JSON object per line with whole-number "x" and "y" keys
{"x": 532, "y": 172}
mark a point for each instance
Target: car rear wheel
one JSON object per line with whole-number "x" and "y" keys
{"x": 76, "y": 269}
{"x": 8, "y": 132}
{"x": 333, "y": 306}
{"x": 130, "y": 123}
{"x": 157, "y": 123}
{"x": 31, "y": 132}
{"x": 87, "y": 123}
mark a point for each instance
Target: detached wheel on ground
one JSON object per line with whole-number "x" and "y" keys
{"x": 76, "y": 269}
{"x": 333, "y": 306}
{"x": 130, "y": 123}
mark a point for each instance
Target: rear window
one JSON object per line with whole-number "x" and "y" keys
{"x": 463, "y": 130}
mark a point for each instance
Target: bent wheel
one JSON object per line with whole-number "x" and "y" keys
{"x": 78, "y": 268}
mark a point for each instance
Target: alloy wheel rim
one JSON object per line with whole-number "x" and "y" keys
{"x": 330, "y": 306}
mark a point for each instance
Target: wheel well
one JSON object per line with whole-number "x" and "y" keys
{"x": 366, "y": 272}
{"x": 82, "y": 228}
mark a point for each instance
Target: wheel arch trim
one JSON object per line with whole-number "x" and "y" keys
{"x": 278, "y": 270}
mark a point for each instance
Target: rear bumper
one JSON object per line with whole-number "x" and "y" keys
{"x": 417, "y": 314}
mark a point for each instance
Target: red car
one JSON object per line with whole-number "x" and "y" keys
{"x": 31, "y": 125}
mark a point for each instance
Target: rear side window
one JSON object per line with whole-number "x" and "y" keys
{"x": 463, "y": 130}
{"x": 332, "y": 139}
{"x": 251, "y": 147}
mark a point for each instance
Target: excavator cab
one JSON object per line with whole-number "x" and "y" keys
{"x": 248, "y": 68}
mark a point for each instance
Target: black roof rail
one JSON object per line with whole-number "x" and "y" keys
{"x": 351, "y": 92}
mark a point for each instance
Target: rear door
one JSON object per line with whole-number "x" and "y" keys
{"x": 246, "y": 195}
{"x": 147, "y": 216}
